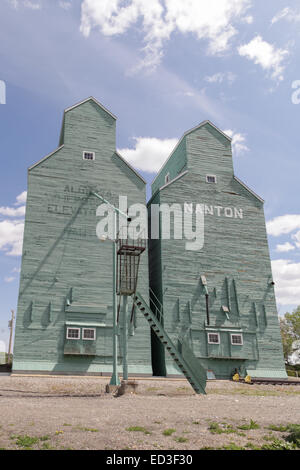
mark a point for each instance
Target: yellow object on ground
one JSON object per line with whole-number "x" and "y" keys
{"x": 236, "y": 377}
{"x": 248, "y": 379}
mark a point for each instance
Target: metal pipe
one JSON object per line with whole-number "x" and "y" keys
{"x": 207, "y": 309}
{"x": 115, "y": 377}
{"x": 125, "y": 346}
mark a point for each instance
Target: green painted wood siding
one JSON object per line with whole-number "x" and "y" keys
{"x": 175, "y": 165}
{"x": 235, "y": 260}
{"x": 64, "y": 262}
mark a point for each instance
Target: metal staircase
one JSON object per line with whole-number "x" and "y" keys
{"x": 193, "y": 371}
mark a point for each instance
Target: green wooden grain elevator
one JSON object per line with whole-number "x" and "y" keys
{"x": 218, "y": 299}
{"x": 65, "y": 318}
{"x": 209, "y": 310}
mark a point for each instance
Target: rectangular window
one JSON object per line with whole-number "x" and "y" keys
{"x": 73, "y": 333}
{"x": 88, "y": 155}
{"x": 213, "y": 338}
{"x": 89, "y": 333}
{"x": 167, "y": 178}
{"x": 211, "y": 179}
{"x": 237, "y": 340}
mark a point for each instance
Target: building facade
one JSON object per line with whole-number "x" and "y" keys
{"x": 217, "y": 298}
{"x": 220, "y": 297}
{"x": 65, "y": 317}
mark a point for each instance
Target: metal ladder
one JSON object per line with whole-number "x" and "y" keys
{"x": 197, "y": 378}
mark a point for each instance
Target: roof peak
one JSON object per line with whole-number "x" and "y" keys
{"x": 90, "y": 98}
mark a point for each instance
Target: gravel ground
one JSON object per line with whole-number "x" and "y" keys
{"x": 50, "y": 412}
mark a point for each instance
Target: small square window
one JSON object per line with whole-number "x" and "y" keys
{"x": 88, "y": 155}
{"x": 213, "y": 338}
{"x": 73, "y": 333}
{"x": 167, "y": 178}
{"x": 211, "y": 179}
{"x": 237, "y": 340}
{"x": 89, "y": 333}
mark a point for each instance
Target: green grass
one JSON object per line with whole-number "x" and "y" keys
{"x": 47, "y": 446}
{"x": 26, "y": 441}
{"x": 168, "y": 432}
{"x": 215, "y": 428}
{"x": 251, "y": 425}
{"x": 280, "y": 428}
{"x": 232, "y": 446}
{"x": 181, "y": 439}
{"x": 138, "y": 429}
{"x": 278, "y": 444}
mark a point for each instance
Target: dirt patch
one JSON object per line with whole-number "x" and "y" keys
{"x": 76, "y": 413}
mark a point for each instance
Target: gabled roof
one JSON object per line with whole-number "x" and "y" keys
{"x": 45, "y": 158}
{"x": 203, "y": 123}
{"x": 248, "y": 189}
{"x": 129, "y": 166}
{"x": 91, "y": 98}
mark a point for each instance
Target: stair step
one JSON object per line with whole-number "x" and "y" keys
{"x": 158, "y": 329}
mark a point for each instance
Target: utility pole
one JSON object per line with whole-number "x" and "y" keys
{"x": 11, "y": 326}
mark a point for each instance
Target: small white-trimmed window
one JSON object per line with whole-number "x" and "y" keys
{"x": 89, "y": 333}
{"x": 236, "y": 340}
{"x": 73, "y": 333}
{"x": 213, "y": 338}
{"x": 88, "y": 155}
{"x": 167, "y": 178}
{"x": 211, "y": 178}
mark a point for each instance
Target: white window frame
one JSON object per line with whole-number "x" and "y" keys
{"x": 90, "y": 329}
{"x": 211, "y": 176}
{"x": 72, "y": 328}
{"x": 89, "y": 159}
{"x": 237, "y": 334}
{"x": 167, "y": 178}
{"x": 213, "y": 333}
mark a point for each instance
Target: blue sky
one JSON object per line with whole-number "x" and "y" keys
{"x": 161, "y": 67}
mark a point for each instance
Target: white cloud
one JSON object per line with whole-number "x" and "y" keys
{"x": 293, "y": 16}
{"x": 286, "y": 275}
{"x": 221, "y": 77}
{"x": 149, "y": 153}
{"x": 13, "y": 212}
{"x": 11, "y": 237}
{"x": 296, "y": 237}
{"x": 11, "y": 230}
{"x": 283, "y": 224}
{"x": 285, "y": 247}
{"x": 238, "y": 142}
{"x": 266, "y": 55}
{"x": 21, "y": 199}
{"x": 213, "y": 21}
{"x": 16, "y": 211}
